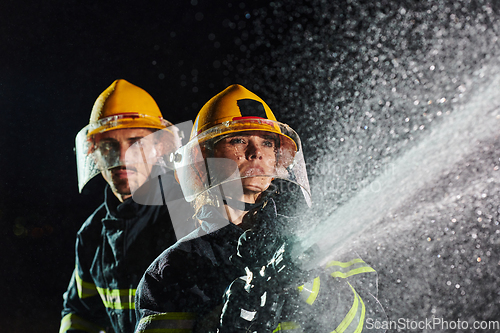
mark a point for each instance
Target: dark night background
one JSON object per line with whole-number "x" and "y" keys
{"x": 362, "y": 82}
{"x": 56, "y": 58}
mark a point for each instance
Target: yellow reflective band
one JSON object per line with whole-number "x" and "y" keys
{"x": 359, "y": 328}
{"x": 118, "y": 299}
{"x": 345, "y": 264}
{"x": 352, "y": 272}
{"x": 346, "y": 269}
{"x": 351, "y": 315}
{"x": 171, "y": 322}
{"x": 74, "y": 322}
{"x": 288, "y": 326}
{"x": 310, "y": 291}
{"x": 85, "y": 289}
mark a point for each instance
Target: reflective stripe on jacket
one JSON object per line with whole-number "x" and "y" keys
{"x": 172, "y": 322}
{"x": 189, "y": 279}
{"x": 114, "y": 247}
{"x": 182, "y": 290}
{"x": 72, "y": 321}
{"x": 333, "y": 301}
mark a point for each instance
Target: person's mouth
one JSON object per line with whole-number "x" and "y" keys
{"x": 123, "y": 172}
{"x": 253, "y": 171}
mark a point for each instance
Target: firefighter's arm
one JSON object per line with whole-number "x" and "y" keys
{"x": 152, "y": 310}
{"x": 253, "y": 302}
{"x": 337, "y": 300}
{"x": 273, "y": 272}
{"x": 78, "y": 314}
{"x": 162, "y": 301}
{"x": 83, "y": 310}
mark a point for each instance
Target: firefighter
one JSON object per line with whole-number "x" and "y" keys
{"x": 127, "y": 141}
{"x": 235, "y": 273}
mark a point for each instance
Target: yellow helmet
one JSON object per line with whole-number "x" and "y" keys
{"x": 235, "y": 109}
{"x": 121, "y": 106}
{"x": 124, "y": 105}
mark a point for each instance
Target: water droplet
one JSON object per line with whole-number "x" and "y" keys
{"x": 199, "y": 16}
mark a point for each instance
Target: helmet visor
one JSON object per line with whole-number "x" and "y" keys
{"x": 215, "y": 157}
{"x": 150, "y": 156}
{"x": 93, "y": 157}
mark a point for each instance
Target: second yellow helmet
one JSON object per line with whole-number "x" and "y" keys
{"x": 125, "y": 105}
{"x": 236, "y": 109}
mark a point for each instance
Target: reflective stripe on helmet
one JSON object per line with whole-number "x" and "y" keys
{"x": 178, "y": 322}
{"x": 126, "y": 120}
{"x": 73, "y": 322}
{"x": 310, "y": 290}
{"x": 347, "y": 269}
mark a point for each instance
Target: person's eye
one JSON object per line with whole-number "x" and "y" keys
{"x": 268, "y": 143}
{"x": 106, "y": 147}
{"x": 138, "y": 143}
{"x": 235, "y": 141}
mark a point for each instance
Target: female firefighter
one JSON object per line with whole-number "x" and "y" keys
{"x": 232, "y": 274}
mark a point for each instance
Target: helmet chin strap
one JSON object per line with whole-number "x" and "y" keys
{"x": 237, "y": 204}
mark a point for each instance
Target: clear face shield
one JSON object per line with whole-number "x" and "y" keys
{"x": 151, "y": 156}
{"x": 216, "y": 159}
{"x": 101, "y": 147}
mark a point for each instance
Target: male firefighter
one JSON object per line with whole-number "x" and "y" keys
{"x": 128, "y": 142}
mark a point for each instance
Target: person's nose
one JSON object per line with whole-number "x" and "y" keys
{"x": 253, "y": 151}
{"x": 123, "y": 151}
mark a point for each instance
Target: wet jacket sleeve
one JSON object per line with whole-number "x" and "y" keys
{"x": 83, "y": 309}
{"x": 341, "y": 299}
{"x": 161, "y": 298}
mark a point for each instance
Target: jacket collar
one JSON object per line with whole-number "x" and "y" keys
{"x": 211, "y": 219}
{"x": 120, "y": 210}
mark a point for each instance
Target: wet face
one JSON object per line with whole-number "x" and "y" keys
{"x": 112, "y": 146}
{"x": 255, "y": 154}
